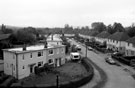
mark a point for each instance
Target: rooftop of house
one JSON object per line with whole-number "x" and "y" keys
{"x": 103, "y": 34}
{"x": 32, "y": 48}
{"x": 119, "y": 36}
{"x": 131, "y": 40}
{"x": 4, "y": 36}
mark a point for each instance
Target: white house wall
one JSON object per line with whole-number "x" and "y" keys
{"x": 9, "y": 63}
{"x": 28, "y": 61}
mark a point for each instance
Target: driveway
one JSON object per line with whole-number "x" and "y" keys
{"x": 117, "y": 77}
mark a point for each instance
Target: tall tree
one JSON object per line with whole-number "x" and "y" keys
{"x": 98, "y": 26}
{"x": 118, "y": 27}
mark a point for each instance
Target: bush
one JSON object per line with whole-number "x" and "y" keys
{"x": 3, "y": 78}
{"x": 18, "y": 85}
{"x": 8, "y": 82}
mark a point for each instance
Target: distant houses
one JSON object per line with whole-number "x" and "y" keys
{"x": 119, "y": 41}
{"x": 116, "y": 41}
{"x": 130, "y": 47}
{"x": 102, "y": 37}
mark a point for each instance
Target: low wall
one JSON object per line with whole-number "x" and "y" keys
{"x": 76, "y": 82}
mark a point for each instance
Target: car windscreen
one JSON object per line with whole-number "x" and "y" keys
{"x": 76, "y": 56}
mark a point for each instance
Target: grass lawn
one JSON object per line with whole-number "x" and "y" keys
{"x": 66, "y": 72}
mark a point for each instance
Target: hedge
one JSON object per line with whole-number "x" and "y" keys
{"x": 75, "y": 83}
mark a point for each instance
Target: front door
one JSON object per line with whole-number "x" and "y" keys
{"x": 31, "y": 69}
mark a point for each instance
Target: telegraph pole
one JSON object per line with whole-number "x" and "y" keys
{"x": 86, "y": 50}
{"x": 57, "y": 81}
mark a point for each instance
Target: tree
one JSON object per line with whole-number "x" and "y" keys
{"x": 131, "y": 31}
{"x": 98, "y": 26}
{"x": 118, "y": 27}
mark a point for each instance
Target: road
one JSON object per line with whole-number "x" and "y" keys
{"x": 117, "y": 77}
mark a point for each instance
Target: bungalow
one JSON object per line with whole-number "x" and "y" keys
{"x": 102, "y": 37}
{"x": 116, "y": 41}
{"x": 130, "y": 47}
{"x": 21, "y": 62}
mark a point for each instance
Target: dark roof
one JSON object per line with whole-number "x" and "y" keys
{"x": 131, "y": 40}
{"x": 93, "y": 33}
{"x": 119, "y": 36}
{"x": 4, "y": 36}
{"x": 103, "y": 34}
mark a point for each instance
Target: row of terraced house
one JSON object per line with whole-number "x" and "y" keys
{"x": 21, "y": 62}
{"x": 119, "y": 41}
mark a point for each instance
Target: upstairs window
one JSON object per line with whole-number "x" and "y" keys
{"x": 40, "y": 63}
{"x": 50, "y": 51}
{"x": 50, "y": 61}
{"x": 40, "y": 53}
{"x": 30, "y": 55}
{"x": 23, "y": 57}
{"x": 62, "y": 50}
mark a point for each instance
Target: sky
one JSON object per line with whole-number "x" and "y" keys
{"x": 57, "y": 13}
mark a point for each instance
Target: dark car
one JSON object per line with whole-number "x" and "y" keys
{"x": 110, "y": 60}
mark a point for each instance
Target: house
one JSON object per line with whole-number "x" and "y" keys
{"x": 21, "y": 62}
{"x": 130, "y": 47}
{"x": 116, "y": 41}
{"x": 102, "y": 37}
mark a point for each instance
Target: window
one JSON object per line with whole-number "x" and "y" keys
{"x": 50, "y": 61}
{"x": 128, "y": 44}
{"x": 50, "y": 51}
{"x": 40, "y": 53}
{"x": 23, "y": 67}
{"x": 40, "y": 63}
{"x": 30, "y": 55}
{"x": 23, "y": 57}
{"x": 14, "y": 67}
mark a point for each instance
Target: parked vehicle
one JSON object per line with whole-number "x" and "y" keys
{"x": 78, "y": 47}
{"x": 75, "y": 56}
{"x": 110, "y": 60}
{"x": 89, "y": 48}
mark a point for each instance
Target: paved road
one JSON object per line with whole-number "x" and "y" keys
{"x": 117, "y": 77}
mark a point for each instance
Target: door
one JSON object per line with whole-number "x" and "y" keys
{"x": 31, "y": 69}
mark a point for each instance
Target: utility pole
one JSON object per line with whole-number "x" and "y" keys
{"x": 57, "y": 81}
{"x": 86, "y": 50}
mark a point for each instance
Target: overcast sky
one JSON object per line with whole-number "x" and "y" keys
{"x": 57, "y": 13}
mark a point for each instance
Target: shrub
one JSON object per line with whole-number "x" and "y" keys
{"x": 8, "y": 82}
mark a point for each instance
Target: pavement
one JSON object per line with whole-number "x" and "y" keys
{"x": 118, "y": 77}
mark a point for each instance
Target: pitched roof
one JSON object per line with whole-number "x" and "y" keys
{"x": 119, "y": 36}
{"x": 93, "y": 33}
{"x": 103, "y": 34}
{"x": 4, "y": 36}
{"x": 131, "y": 40}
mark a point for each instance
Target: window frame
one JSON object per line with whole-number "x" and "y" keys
{"x": 51, "y": 61}
{"x": 40, "y": 53}
{"x": 52, "y": 51}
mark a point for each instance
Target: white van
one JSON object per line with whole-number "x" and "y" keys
{"x": 75, "y": 56}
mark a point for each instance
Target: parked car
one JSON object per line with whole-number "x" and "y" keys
{"x": 89, "y": 48}
{"x": 110, "y": 60}
{"x": 78, "y": 47}
{"x": 75, "y": 56}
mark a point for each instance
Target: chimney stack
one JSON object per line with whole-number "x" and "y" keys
{"x": 24, "y": 47}
{"x": 52, "y": 36}
{"x": 45, "y": 45}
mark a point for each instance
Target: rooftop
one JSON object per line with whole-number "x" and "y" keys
{"x": 103, "y": 34}
{"x": 31, "y": 48}
{"x": 119, "y": 36}
{"x": 131, "y": 40}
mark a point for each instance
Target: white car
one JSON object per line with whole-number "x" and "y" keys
{"x": 75, "y": 56}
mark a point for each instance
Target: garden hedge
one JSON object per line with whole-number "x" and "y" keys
{"x": 75, "y": 83}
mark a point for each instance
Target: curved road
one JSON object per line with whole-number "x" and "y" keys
{"x": 117, "y": 77}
